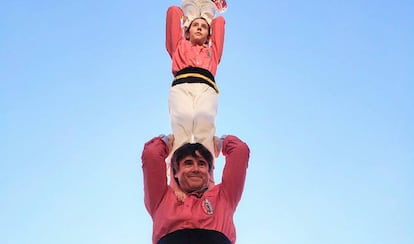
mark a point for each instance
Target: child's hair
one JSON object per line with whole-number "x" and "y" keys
{"x": 187, "y": 30}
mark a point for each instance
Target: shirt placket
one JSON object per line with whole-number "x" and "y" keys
{"x": 188, "y": 212}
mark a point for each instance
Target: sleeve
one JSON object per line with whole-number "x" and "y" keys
{"x": 154, "y": 171}
{"x": 217, "y": 36}
{"x": 237, "y": 155}
{"x": 173, "y": 31}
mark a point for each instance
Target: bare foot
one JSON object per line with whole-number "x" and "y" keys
{"x": 217, "y": 148}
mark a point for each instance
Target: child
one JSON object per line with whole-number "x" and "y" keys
{"x": 193, "y": 97}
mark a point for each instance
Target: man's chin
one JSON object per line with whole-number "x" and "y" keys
{"x": 195, "y": 186}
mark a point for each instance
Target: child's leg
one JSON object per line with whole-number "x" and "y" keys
{"x": 204, "y": 128}
{"x": 207, "y": 10}
{"x": 180, "y": 103}
{"x": 190, "y": 10}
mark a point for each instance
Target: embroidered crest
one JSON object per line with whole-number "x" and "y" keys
{"x": 208, "y": 207}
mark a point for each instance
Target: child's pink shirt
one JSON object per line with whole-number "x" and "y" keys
{"x": 183, "y": 53}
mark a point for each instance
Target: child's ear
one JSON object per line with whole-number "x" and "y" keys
{"x": 187, "y": 35}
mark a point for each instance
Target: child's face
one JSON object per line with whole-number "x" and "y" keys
{"x": 198, "y": 32}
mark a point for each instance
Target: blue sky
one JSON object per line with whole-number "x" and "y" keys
{"x": 322, "y": 91}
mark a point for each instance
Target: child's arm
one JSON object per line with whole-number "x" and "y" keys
{"x": 217, "y": 35}
{"x": 173, "y": 29}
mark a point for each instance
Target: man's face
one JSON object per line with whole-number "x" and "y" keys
{"x": 198, "y": 32}
{"x": 193, "y": 173}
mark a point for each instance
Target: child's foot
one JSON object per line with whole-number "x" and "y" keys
{"x": 217, "y": 146}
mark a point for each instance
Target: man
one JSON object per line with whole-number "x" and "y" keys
{"x": 205, "y": 213}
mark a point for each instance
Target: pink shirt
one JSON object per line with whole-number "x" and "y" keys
{"x": 185, "y": 54}
{"x": 213, "y": 211}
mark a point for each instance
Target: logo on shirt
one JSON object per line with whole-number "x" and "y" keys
{"x": 208, "y": 207}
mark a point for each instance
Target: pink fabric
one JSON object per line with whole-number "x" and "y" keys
{"x": 183, "y": 53}
{"x": 169, "y": 214}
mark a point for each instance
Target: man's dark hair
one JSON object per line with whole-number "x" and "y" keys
{"x": 190, "y": 149}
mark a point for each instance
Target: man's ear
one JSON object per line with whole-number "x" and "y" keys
{"x": 176, "y": 178}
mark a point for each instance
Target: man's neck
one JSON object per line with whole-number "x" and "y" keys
{"x": 199, "y": 193}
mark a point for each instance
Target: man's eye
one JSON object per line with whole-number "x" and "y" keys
{"x": 188, "y": 162}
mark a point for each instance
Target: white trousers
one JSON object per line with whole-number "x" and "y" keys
{"x": 193, "y": 110}
{"x": 198, "y": 8}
